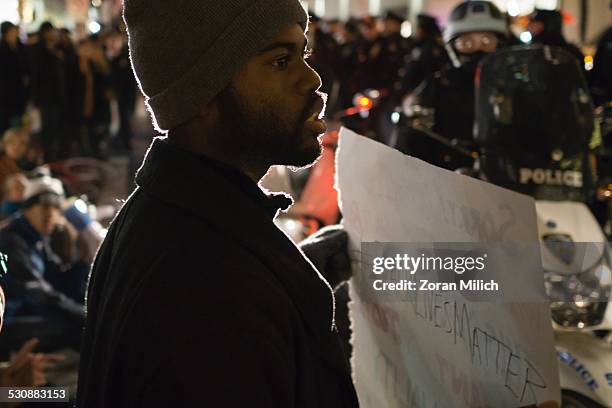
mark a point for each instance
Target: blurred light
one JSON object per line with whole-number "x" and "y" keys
{"x": 526, "y": 37}
{"x": 8, "y": 11}
{"x": 319, "y": 8}
{"x": 568, "y": 18}
{"x": 516, "y": 8}
{"x": 581, "y": 325}
{"x": 513, "y": 8}
{"x": 96, "y": 3}
{"x": 395, "y": 117}
{"x": 582, "y": 303}
{"x": 345, "y": 10}
{"x": 291, "y": 225}
{"x": 546, "y": 4}
{"x": 374, "y": 7}
{"x": 81, "y": 206}
{"x": 374, "y": 93}
{"x": 94, "y": 27}
{"x": 406, "y": 30}
{"x": 365, "y": 102}
{"x": 588, "y": 62}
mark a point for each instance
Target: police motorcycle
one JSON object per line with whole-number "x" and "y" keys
{"x": 604, "y": 167}
{"x": 534, "y": 126}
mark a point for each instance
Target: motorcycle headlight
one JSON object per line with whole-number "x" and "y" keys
{"x": 580, "y": 300}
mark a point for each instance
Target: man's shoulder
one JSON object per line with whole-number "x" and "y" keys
{"x": 148, "y": 223}
{"x": 173, "y": 263}
{"x": 211, "y": 290}
{"x": 164, "y": 246}
{"x": 214, "y": 266}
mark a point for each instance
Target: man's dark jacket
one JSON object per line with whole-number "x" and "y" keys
{"x": 196, "y": 299}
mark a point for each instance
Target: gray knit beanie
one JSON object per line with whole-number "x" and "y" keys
{"x": 184, "y": 52}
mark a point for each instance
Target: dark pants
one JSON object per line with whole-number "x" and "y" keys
{"x": 54, "y": 329}
{"x": 51, "y": 132}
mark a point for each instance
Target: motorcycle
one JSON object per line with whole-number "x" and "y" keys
{"x": 534, "y": 133}
{"x": 604, "y": 165}
{"x": 534, "y": 127}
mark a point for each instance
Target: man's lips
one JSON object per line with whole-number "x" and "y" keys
{"x": 314, "y": 123}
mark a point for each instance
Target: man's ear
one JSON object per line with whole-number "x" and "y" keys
{"x": 207, "y": 118}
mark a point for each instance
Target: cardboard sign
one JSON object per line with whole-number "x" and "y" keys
{"x": 442, "y": 349}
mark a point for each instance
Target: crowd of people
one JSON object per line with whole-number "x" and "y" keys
{"x": 70, "y": 87}
{"x": 58, "y": 101}
{"x": 372, "y": 53}
{"x": 58, "y": 97}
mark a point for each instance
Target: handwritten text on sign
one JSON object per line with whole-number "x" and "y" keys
{"x": 442, "y": 349}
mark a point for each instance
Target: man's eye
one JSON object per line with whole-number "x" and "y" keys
{"x": 282, "y": 63}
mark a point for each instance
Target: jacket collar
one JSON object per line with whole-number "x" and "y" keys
{"x": 272, "y": 203}
{"x": 178, "y": 177}
{"x": 26, "y": 230}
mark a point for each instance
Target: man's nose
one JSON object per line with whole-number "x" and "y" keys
{"x": 310, "y": 81}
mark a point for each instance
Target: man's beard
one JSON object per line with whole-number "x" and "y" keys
{"x": 263, "y": 138}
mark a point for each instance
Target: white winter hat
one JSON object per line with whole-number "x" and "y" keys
{"x": 43, "y": 190}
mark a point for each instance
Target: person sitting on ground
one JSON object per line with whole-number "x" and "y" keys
{"x": 25, "y": 369}
{"x": 45, "y": 296}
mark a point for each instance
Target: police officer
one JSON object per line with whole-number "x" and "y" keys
{"x": 475, "y": 29}
{"x": 546, "y": 27}
{"x": 427, "y": 56}
{"x": 394, "y": 49}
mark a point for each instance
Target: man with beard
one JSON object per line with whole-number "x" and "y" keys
{"x": 196, "y": 299}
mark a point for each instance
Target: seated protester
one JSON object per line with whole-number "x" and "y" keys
{"x": 44, "y": 296}
{"x": 26, "y": 369}
{"x": 14, "y": 145}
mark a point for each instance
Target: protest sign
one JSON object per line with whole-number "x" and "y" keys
{"x": 442, "y": 348}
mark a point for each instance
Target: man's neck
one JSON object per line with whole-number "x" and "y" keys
{"x": 255, "y": 173}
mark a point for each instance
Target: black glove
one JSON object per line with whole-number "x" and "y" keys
{"x": 327, "y": 250}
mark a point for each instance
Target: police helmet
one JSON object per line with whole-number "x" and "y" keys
{"x": 475, "y": 16}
